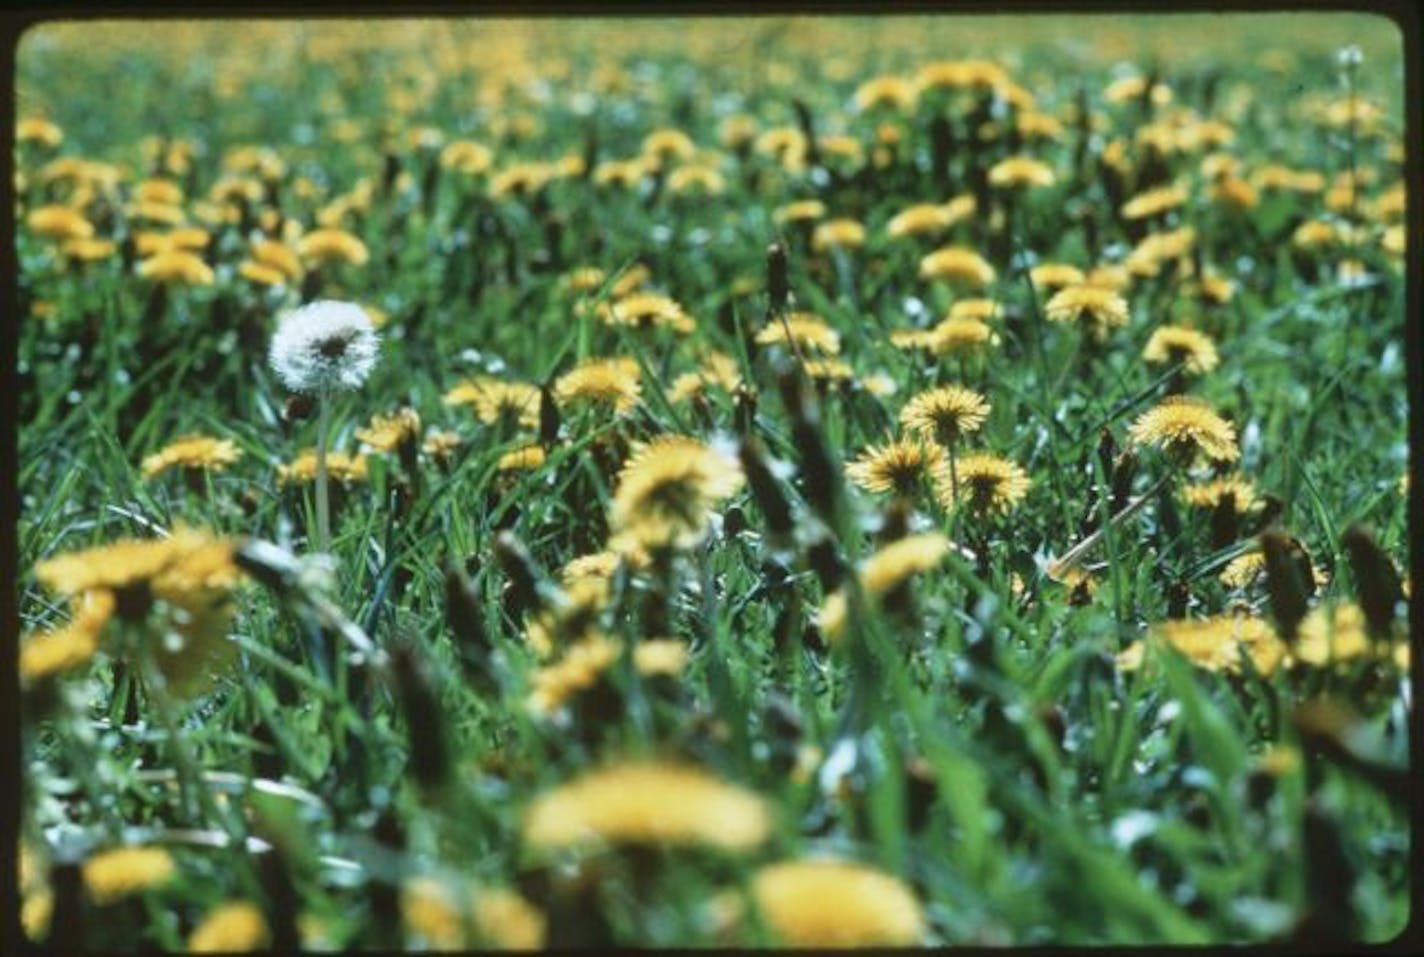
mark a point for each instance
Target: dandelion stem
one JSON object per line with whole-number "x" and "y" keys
{"x": 1076, "y": 553}
{"x": 323, "y": 506}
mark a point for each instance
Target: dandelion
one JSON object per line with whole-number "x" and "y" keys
{"x": 1098, "y": 308}
{"x": 892, "y": 91}
{"x": 828, "y": 903}
{"x": 648, "y": 803}
{"x": 612, "y": 384}
{"x": 192, "y": 452}
{"x": 1240, "y": 490}
{"x": 332, "y": 247}
{"x": 1216, "y": 644}
{"x": 643, "y": 310}
{"x": 341, "y": 466}
{"x": 957, "y": 264}
{"x": 497, "y": 400}
{"x": 954, "y": 336}
{"x": 71, "y": 646}
{"x": 467, "y": 157}
{"x": 984, "y": 483}
{"x": 718, "y": 370}
{"x": 945, "y": 414}
{"x": 918, "y": 220}
{"x": 668, "y": 488}
{"x": 1330, "y": 634}
{"x": 1243, "y": 570}
{"x": 900, "y": 466}
{"x": 838, "y": 234}
{"x": 59, "y": 223}
{"x": 37, "y": 129}
{"x": 1017, "y": 172}
{"x": 803, "y": 329}
{"x": 801, "y": 211}
{"x": 176, "y": 267}
{"x": 586, "y": 662}
{"x": 236, "y": 926}
{"x": 113, "y": 875}
{"x": 1184, "y": 426}
{"x": 1154, "y": 202}
{"x": 526, "y": 458}
{"x": 1179, "y": 345}
{"x": 387, "y": 433}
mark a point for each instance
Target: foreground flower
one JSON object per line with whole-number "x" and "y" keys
{"x": 831, "y": 904}
{"x": 499, "y": 917}
{"x": 1183, "y": 426}
{"x": 325, "y": 346}
{"x": 234, "y": 927}
{"x": 667, "y": 490}
{"x": 1154, "y": 202}
{"x": 59, "y": 223}
{"x": 1098, "y": 308}
{"x": 70, "y": 646}
{"x": 946, "y": 414}
{"x": 197, "y": 452}
{"x": 900, "y": 466}
{"x": 1215, "y": 644}
{"x": 648, "y": 803}
{"x": 881, "y": 574}
{"x": 1181, "y": 345}
{"x": 114, "y": 875}
{"x": 984, "y": 483}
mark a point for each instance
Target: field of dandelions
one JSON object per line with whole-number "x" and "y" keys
{"x": 638, "y": 483}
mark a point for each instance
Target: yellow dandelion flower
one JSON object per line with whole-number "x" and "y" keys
{"x": 980, "y": 309}
{"x": 332, "y": 247}
{"x": 88, "y": 250}
{"x": 440, "y": 444}
{"x": 1327, "y": 635}
{"x": 1171, "y": 345}
{"x": 895, "y": 563}
{"x": 957, "y": 264}
{"x": 1033, "y": 125}
{"x": 624, "y": 173}
{"x": 1114, "y": 277}
{"x": 785, "y": 144}
{"x": 497, "y": 399}
{"x": 70, "y": 646}
{"x": 918, "y": 220}
{"x": 192, "y": 452}
{"x": 190, "y": 238}
{"x": 1239, "y": 489}
{"x": 1217, "y": 643}
{"x": 430, "y": 910}
{"x": 945, "y": 414}
{"x": 646, "y": 310}
{"x": 630, "y": 280}
{"x": 467, "y": 157}
{"x": 830, "y": 903}
{"x": 804, "y": 329}
{"x": 165, "y": 192}
{"x": 648, "y": 802}
{"x": 801, "y": 211}
{"x": 113, "y": 875}
{"x": 387, "y": 433}
{"x": 260, "y": 274}
{"x": 176, "y": 267}
{"x": 1183, "y": 426}
{"x": 828, "y": 370}
{"x": 612, "y": 384}
{"x": 667, "y": 143}
{"x": 1233, "y": 193}
{"x": 1314, "y": 234}
{"x": 737, "y": 131}
{"x": 341, "y": 466}
{"x": 1281, "y": 178}
{"x": 838, "y": 234}
{"x": 279, "y": 256}
{"x": 901, "y": 466}
{"x": 59, "y": 223}
{"x": 668, "y": 488}
{"x": 1243, "y": 570}
{"x": 506, "y": 921}
{"x": 984, "y": 483}
{"x": 954, "y": 336}
{"x": 237, "y": 926}
{"x": 165, "y": 213}
{"x": 1393, "y": 240}
{"x": 526, "y": 458}
{"x": 892, "y": 91}
{"x": 1017, "y": 172}
{"x": 37, "y": 129}
{"x": 719, "y": 371}
{"x": 842, "y": 147}
{"x": 1154, "y": 202}
{"x": 690, "y": 179}
{"x": 1099, "y": 308}
{"x": 960, "y": 208}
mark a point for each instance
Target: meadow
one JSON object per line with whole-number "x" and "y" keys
{"x": 768, "y": 482}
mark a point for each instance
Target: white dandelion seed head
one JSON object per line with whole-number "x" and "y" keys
{"x": 324, "y": 346}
